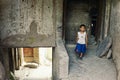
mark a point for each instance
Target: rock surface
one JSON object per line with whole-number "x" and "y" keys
{"x": 31, "y": 65}
{"x": 39, "y": 73}
{"x": 115, "y": 32}
{"x": 26, "y": 23}
{"x": 2, "y": 72}
{"x": 109, "y": 54}
{"x": 103, "y": 47}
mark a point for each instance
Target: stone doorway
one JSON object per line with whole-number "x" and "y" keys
{"x": 28, "y": 54}
{"x": 31, "y": 63}
{"x": 77, "y": 12}
{"x": 90, "y": 13}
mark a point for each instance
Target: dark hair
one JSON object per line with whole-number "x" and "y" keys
{"x": 82, "y": 25}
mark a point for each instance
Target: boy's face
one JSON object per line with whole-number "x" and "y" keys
{"x": 82, "y": 29}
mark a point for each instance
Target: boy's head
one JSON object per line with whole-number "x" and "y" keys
{"x": 82, "y": 27}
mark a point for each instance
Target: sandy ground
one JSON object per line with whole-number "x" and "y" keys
{"x": 40, "y": 73}
{"x": 91, "y": 67}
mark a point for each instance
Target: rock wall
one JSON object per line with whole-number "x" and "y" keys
{"x": 27, "y": 23}
{"x": 4, "y": 64}
{"x": 115, "y": 32}
{"x": 2, "y": 72}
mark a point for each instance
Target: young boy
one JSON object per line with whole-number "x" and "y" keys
{"x": 82, "y": 41}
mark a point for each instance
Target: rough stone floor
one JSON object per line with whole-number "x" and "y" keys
{"x": 91, "y": 67}
{"x": 40, "y": 73}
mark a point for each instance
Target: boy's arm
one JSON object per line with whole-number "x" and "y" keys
{"x": 86, "y": 40}
{"x": 77, "y": 38}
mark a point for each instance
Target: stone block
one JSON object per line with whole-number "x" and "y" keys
{"x": 27, "y": 23}
{"x": 61, "y": 64}
{"x": 109, "y": 54}
{"x": 104, "y": 46}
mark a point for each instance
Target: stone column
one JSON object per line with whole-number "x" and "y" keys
{"x": 102, "y": 20}
{"x": 5, "y": 56}
{"x": 115, "y": 32}
{"x": 36, "y": 55}
{"x": 20, "y": 50}
{"x": 60, "y": 56}
{"x": 107, "y": 17}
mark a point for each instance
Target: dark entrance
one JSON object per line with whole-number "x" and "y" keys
{"x": 88, "y": 12}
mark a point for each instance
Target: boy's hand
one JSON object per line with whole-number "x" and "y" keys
{"x": 77, "y": 40}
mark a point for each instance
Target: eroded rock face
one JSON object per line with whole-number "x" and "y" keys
{"x": 2, "y": 72}
{"x": 27, "y": 23}
{"x": 115, "y": 32}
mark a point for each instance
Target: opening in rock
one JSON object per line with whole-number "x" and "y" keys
{"x": 31, "y": 63}
{"x": 90, "y": 13}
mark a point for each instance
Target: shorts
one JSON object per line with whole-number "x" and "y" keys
{"x": 80, "y": 48}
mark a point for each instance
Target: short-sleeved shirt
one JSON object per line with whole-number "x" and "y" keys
{"x": 81, "y": 38}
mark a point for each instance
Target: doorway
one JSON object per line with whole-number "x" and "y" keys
{"x": 31, "y": 63}
{"x": 77, "y": 12}
{"x": 90, "y": 13}
{"x": 28, "y": 54}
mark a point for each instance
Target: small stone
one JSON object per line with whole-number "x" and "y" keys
{"x": 31, "y": 65}
{"x": 109, "y": 54}
{"x": 104, "y": 46}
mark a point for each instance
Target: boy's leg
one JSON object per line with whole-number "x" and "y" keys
{"x": 83, "y": 50}
{"x": 81, "y": 54}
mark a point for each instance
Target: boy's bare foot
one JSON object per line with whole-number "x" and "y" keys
{"x": 81, "y": 58}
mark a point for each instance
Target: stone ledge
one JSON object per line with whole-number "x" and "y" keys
{"x": 62, "y": 60}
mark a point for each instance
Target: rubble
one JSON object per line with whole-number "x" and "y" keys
{"x": 104, "y": 47}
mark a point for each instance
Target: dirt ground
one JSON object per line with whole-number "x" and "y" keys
{"x": 40, "y": 73}
{"x": 91, "y": 67}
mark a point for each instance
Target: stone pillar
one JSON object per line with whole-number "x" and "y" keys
{"x": 59, "y": 17}
{"x": 5, "y": 56}
{"x": 115, "y": 32}
{"x": 36, "y": 55}
{"x": 20, "y": 50}
{"x": 60, "y": 62}
{"x": 60, "y": 56}
{"x": 2, "y": 68}
{"x": 12, "y": 60}
{"x": 102, "y": 20}
{"x": 107, "y": 17}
